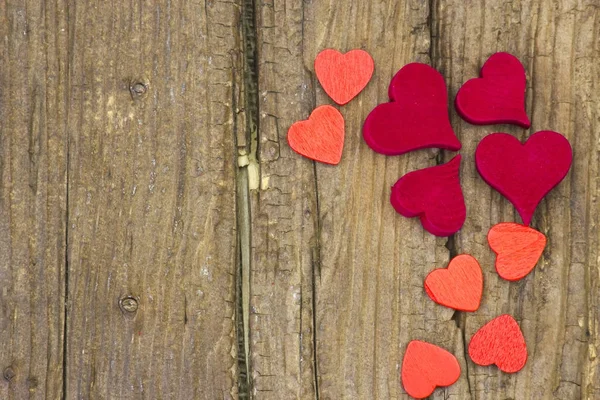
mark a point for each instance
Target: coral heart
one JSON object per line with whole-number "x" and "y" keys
{"x": 499, "y": 342}
{"x": 343, "y": 76}
{"x": 518, "y": 249}
{"x": 434, "y": 194}
{"x": 426, "y": 366}
{"x": 524, "y": 173}
{"x": 416, "y": 117}
{"x": 459, "y": 286}
{"x": 321, "y": 137}
{"x": 497, "y": 97}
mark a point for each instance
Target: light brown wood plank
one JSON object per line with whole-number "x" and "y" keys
{"x": 556, "y": 305}
{"x": 370, "y": 297}
{"x": 152, "y": 200}
{"x": 284, "y": 214}
{"x": 33, "y": 144}
{"x": 368, "y": 263}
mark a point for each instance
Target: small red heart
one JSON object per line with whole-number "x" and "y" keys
{"x": 498, "y": 97}
{"x": 434, "y": 194}
{"x": 524, "y": 173}
{"x": 425, "y": 367}
{"x": 416, "y": 117}
{"x": 459, "y": 286}
{"x": 499, "y": 342}
{"x": 518, "y": 249}
{"x": 321, "y": 137}
{"x": 343, "y": 76}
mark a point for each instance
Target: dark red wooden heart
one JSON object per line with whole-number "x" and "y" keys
{"x": 425, "y": 367}
{"x": 416, "y": 117}
{"x": 434, "y": 194}
{"x": 499, "y": 342}
{"x": 459, "y": 286}
{"x": 524, "y": 173}
{"x": 498, "y": 97}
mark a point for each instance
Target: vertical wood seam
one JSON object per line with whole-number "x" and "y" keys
{"x": 250, "y": 98}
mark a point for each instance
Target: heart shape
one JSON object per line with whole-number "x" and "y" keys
{"x": 434, "y": 194}
{"x": 425, "y": 367}
{"x": 459, "y": 286}
{"x": 321, "y": 137}
{"x": 524, "y": 173}
{"x": 416, "y": 117}
{"x": 498, "y": 97}
{"x": 499, "y": 342}
{"x": 518, "y": 249}
{"x": 343, "y": 76}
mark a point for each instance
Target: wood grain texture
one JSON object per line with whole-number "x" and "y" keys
{"x": 557, "y": 304}
{"x": 147, "y": 184}
{"x": 33, "y": 150}
{"x": 151, "y": 225}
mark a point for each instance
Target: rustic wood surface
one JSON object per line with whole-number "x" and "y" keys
{"x": 160, "y": 240}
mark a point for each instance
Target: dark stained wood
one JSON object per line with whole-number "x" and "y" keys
{"x": 152, "y": 200}
{"x": 33, "y": 150}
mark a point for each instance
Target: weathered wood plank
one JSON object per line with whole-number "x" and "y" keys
{"x": 557, "y": 304}
{"x": 370, "y": 297}
{"x": 369, "y": 263}
{"x": 284, "y": 213}
{"x": 369, "y": 300}
{"x": 151, "y": 234}
{"x": 33, "y": 144}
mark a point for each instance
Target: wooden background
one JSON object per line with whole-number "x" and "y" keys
{"x": 160, "y": 240}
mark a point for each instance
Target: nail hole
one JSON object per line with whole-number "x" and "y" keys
{"x": 137, "y": 89}
{"x": 9, "y": 373}
{"x": 129, "y": 304}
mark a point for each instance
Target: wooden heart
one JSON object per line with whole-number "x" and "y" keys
{"x": 518, "y": 249}
{"x": 498, "y": 96}
{"x": 499, "y": 342}
{"x": 343, "y": 76}
{"x": 434, "y": 194}
{"x": 459, "y": 286}
{"x": 524, "y": 173}
{"x": 321, "y": 137}
{"x": 425, "y": 367}
{"x": 416, "y": 117}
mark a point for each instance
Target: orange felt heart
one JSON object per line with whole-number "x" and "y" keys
{"x": 426, "y": 366}
{"x": 320, "y": 137}
{"x": 499, "y": 342}
{"x": 343, "y": 76}
{"x": 518, "y": 249}
{"x": 459, "y": 286}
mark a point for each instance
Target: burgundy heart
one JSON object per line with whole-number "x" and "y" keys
{"x": 498, "y": 96}
{"x": 416, "y": 117}
{"x": 524, "y": 173}
{"x": 434, "y": 194}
